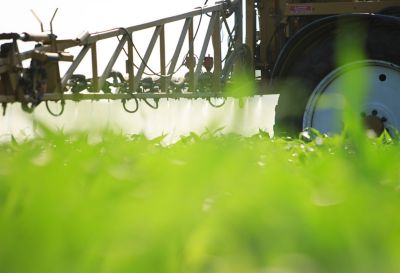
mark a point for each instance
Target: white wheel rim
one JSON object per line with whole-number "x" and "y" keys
{"x": 324, "y": 109}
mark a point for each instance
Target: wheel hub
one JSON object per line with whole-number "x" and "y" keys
{"x": 374, "y": 123}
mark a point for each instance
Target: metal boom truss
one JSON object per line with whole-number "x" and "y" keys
{"x": 41, "y": 81}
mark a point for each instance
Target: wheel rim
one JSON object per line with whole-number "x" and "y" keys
{"x": 324, "y": 110}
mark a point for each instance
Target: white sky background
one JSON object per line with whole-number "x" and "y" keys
{"x": 174, "y": 118}
{"x": 75, "y": 16}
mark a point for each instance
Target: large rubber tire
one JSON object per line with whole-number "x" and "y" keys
{"x": 311, "y": 55}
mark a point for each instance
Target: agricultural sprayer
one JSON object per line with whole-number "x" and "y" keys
{"x": 290, "y": 48}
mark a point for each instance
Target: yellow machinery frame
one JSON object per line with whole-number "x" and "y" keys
{"x": 271, "y": 13}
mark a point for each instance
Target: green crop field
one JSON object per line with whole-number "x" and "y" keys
{"x": 209, "y": 203}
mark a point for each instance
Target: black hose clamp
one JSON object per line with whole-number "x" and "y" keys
{"x": 217, "y": 105}
{"x": 128, "y": 110}
{"x": 150, "y": 105}
{"x": 56, "y": 114}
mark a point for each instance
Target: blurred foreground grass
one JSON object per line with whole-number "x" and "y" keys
{"x": 109, "y": 203}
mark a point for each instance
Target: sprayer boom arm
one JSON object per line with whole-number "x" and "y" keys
{"x": 41, "y": 80}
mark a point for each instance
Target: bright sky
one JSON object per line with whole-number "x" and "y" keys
{"x": 75, "y": 16}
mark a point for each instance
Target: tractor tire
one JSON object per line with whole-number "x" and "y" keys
{"x": 311, "y": 55}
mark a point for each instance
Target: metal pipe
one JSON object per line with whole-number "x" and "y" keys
{"x": 190, "y": 63}
{"x": 179, "y": 45}
{"x": 112, "y": 61}
{"x": 38, "y": 19}
{"x": 146, "y": 57}
{"x": 130, "y": 64}
{"x": 37, "y": 37}
{"x": 178, "y": 49}
{"x": 95, "y": 74}
{"x": 51, "y": 21}
{"x": 210, "y": 28}
{"x": 120, "y": 96}
{"x": 112, "y": 33}
{"x": 162, "y": 59}
{"x": 73, "y": 66}
{"x": 216, "y": 41}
